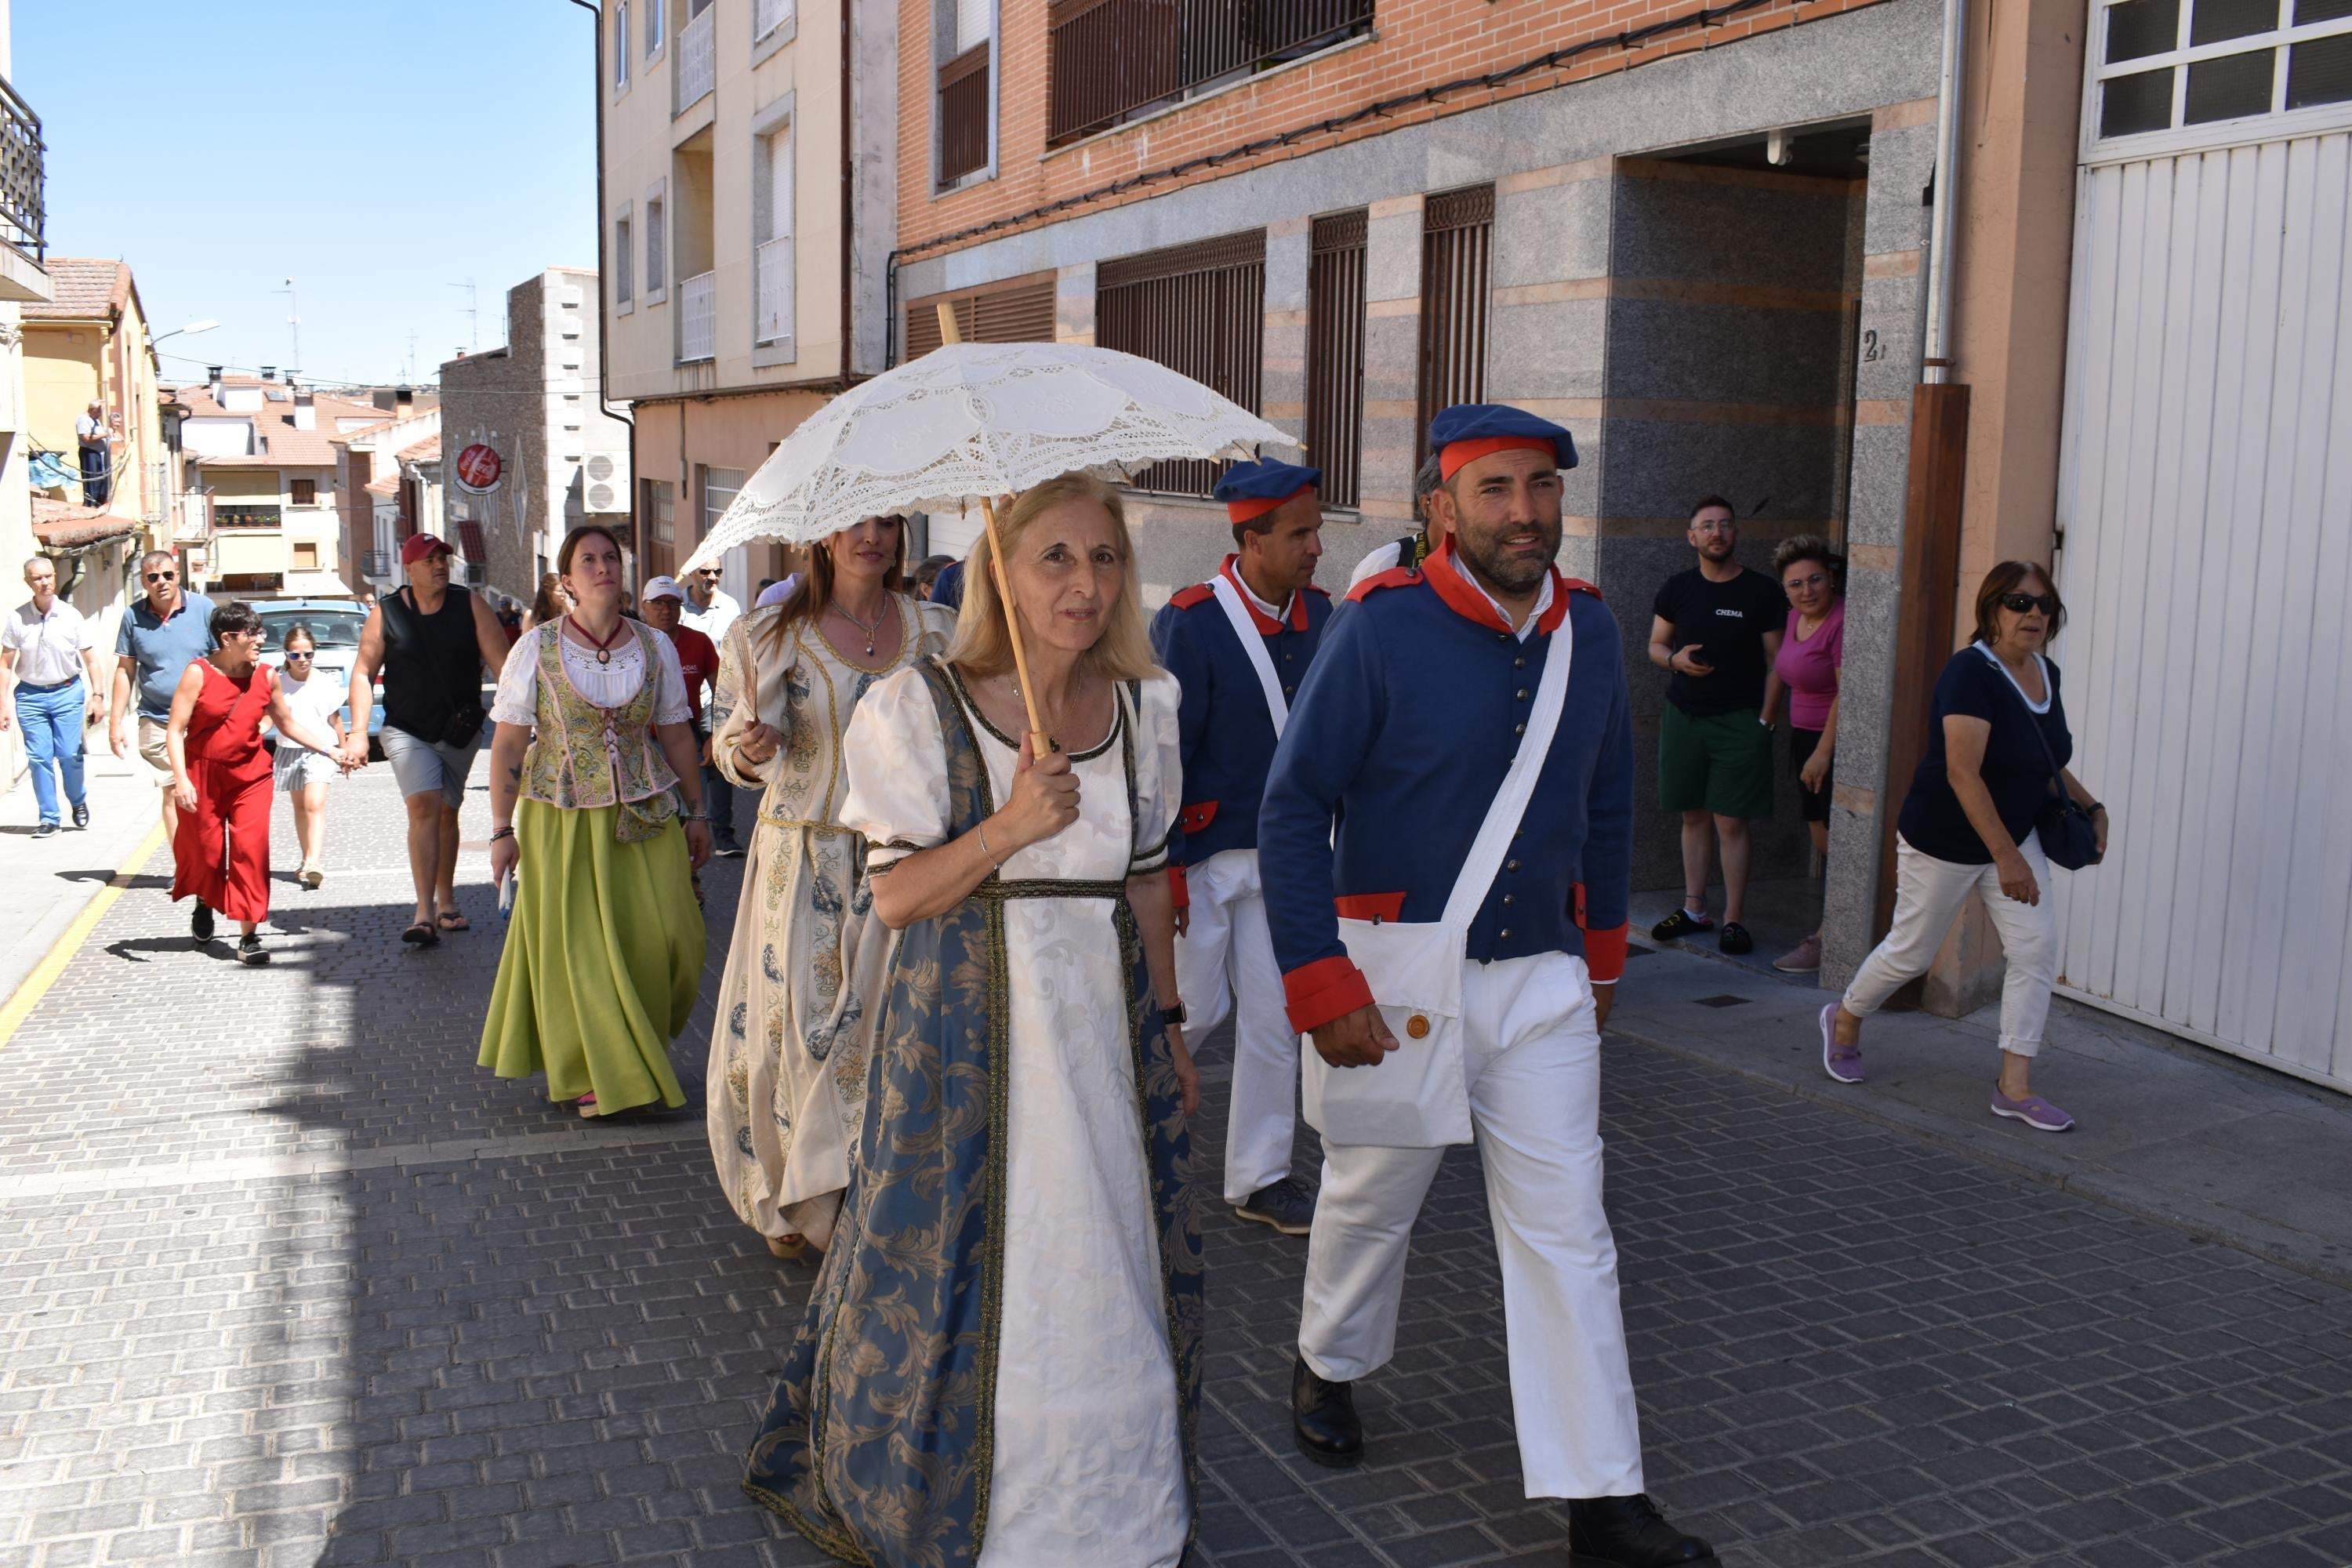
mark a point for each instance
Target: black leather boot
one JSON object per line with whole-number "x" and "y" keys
{"x": 1628, "y": 1532}
{"x": 1323, "y": 1419}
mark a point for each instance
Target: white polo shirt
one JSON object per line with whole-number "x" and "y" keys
{"x": 48, "y": 648}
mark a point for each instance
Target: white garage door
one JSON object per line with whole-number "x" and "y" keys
{"x": 2206, "y": 502}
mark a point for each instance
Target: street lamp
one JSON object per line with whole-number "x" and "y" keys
{"x": 205, "y": 325}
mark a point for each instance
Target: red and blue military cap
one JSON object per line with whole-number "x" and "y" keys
{"x": 1249, "y": 490}
{"x": 1469, "y": 431}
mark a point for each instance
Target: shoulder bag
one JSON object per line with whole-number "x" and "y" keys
{"x": 2069, "y": 837}
{"x": 1418, "y": 1096}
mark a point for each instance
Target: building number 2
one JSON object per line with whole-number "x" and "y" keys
{"x": 1870, "y": 350}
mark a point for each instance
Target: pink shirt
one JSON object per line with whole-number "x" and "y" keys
{"x": 1810, "y": 670}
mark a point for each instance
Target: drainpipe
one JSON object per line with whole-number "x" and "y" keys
{"x": 1935, "y": 364}
{"x": 1926, "y": 589}
{"x": 604, "y": 321}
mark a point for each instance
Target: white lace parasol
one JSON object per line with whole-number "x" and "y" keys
{"x": 973, "y": 420}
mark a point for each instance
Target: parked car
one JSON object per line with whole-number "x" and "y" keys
{"x": 337, "y": 625}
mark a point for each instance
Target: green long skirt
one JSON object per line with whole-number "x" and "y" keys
{"x": 603, "y": 956}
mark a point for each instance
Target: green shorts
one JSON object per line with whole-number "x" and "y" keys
{"x": 1720, "y": 763}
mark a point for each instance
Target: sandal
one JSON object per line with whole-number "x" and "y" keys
{"x": 447, "y": 920}
{"x": 790, "y": 1249}
{"x": 310, "y": 877}
{"x": 587, "y": 1104}
{"x": 420, "y": 935}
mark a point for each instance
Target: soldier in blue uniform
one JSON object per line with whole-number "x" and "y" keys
{"x": 1452, "y": 951}
{"x": 1239, "y": 644}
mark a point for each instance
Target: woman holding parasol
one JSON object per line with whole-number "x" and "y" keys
{"x": 787, "y": 1075}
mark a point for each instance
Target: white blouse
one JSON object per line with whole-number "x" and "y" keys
{"x": 606, "y": 685}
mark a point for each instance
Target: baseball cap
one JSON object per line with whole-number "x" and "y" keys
{"x": 421, "y": 545}
{"x": 663, "y": 588}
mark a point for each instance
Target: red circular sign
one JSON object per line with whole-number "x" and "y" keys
{"x": 478, "y": 468}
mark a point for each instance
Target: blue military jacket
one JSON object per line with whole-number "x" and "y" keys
{"x": 1225, "y": 733}
{"x": 1402, "y": 734}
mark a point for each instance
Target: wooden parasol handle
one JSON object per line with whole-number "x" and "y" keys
{"x": 1040, "y": 742}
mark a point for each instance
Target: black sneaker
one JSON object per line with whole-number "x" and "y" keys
{"x": 1628, "y": 1532}
{"x": 1734, "y": 937}
{"x": 46, "y": 830}
{"x": 200, "y": 924}
{"x": 82, "y": 814}
{"x": 249, "y": 951}
{"x": 1681, "y": 924}
{"x": 1285, "y": 1205}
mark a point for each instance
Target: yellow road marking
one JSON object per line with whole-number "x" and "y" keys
{"x": 44, "y": 974}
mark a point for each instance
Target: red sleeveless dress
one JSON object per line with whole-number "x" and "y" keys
{"x": 222, "y": 849}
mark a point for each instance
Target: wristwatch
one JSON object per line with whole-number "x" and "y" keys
{"x": 1173, "y": 1013}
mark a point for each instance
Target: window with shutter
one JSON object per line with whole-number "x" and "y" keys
{"x": 1198, "y": 309}
{"x": 1335, "y": 353}
{"x": 963, "y": 97}
{"x": 1014, "y": 310}
{"x": 1457, "y": 246}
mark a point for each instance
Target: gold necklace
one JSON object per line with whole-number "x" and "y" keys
{"x": 874, "y": 631}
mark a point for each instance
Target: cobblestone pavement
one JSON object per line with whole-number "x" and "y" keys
{"x": 285, "y": 1279}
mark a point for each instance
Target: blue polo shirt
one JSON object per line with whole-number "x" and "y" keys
{"x": 164, "y": 649}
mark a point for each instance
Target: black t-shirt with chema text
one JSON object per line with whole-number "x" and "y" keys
{"x": 1728, "y": 621}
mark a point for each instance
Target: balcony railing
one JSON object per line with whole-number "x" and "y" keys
{"x": 697, "y": 62}
{"x": 698, "y": 315}
{"x": 1111, "y": 58}
{"x": 773, "y": 322}
{"x": 375, "y": 565}
{"x": 767, "y": 15}
{"x": 23, "y": 209}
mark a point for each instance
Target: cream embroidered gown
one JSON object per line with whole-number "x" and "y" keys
{"x": 786, "y": 1083}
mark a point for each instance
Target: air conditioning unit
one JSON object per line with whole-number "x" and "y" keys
{"x": 600, "y": 467}
{"x": 478, "y": 574}
{"x": 604, "y": 497}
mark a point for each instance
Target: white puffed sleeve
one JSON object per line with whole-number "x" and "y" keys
{"x": 516, "y": 702}
{"x": 897, "y": 766}
{"x": 670, "y": 704}
{"x": 1159, "y": 773}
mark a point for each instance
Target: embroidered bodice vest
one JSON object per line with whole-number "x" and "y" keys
{"x": 585, "y": 756}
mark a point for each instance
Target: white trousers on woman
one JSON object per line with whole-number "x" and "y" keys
{"x": 1225, "y": 964}
{"x": 1532, "y": 1055}
{"x": 1929, "y": 897}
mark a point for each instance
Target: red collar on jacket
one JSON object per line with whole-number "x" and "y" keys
{"x": 1267, "y": 625}
{"x": 1466, "y": 599}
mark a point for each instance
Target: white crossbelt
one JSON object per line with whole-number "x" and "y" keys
{"x": 1229, "y": 600}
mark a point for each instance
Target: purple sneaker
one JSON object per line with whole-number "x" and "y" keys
{"x": 2033, "y": 1111}
{"x": 1843, "y": 1063}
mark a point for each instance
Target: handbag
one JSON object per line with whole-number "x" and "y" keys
{"x": 2069, "y": 837}
{"x": 1418, "y": 1096}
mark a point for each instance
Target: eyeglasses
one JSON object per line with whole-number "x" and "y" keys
{"x": 1716, "y": 525}
{"x": 293, "y": 653}
{"x": 2018, "y": 603}
{"x": 162, "y": 576}
{"x": 1815, "y": 581}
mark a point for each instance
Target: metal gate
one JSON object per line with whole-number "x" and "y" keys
{"x": 2205, "y": 503}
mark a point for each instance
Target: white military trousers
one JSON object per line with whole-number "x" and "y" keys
{"x": 1532, "y": 1054}
{"x": 1224, "y": 964}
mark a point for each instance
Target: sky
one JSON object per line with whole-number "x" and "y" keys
{"x": 377, "y": 151}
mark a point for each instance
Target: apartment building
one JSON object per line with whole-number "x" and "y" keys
{"x": 1701, "y": 239}
{"x": 748, "y": 181}
{"x": 371, "y": 457}
{"x": 535, "y": 453}
{"x": 261, "y": 452}
{"x": 90, "y": 342}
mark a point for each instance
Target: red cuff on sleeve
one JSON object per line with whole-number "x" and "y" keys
{"x": 1604, "y": 954}
{"x": 1326, "y": 989}
{"x": 1182, "y": 894}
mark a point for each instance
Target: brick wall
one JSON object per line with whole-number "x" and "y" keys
{"x": 1420, "y": 44}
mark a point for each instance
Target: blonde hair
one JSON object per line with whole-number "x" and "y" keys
{"x": 982, "y": 645}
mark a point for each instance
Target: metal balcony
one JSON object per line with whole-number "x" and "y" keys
{"x": 773, "y": 323}
{"x": 24, "y": 210}
{"x": 698, "y": 315}
{"x": 698, "y": 63}
{"x": 375, "y": 565}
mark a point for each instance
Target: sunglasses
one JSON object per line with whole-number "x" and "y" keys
{"x": 162, "y": 576}
{"x": 2018, "y": 603}
{"x": 293, "y": 653}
